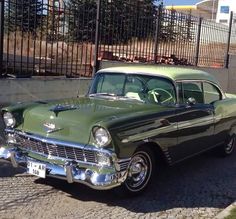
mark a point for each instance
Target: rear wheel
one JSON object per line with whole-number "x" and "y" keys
{"x": 140, "y": 172}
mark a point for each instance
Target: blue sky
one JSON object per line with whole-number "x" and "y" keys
{"x": 180, "y": 2}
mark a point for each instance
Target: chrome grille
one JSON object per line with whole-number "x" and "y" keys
{"x": 56, "y": 150}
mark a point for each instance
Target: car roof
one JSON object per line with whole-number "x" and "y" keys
{"x": 173, "y": 73}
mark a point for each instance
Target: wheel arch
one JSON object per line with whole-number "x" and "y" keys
{"x": 232, "y": 130}
{"x": 160, "y": 155}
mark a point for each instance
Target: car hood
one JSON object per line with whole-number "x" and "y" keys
{"x": 73, "y": 119}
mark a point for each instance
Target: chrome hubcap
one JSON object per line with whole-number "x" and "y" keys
{"x": 230, "y": 146}
{"x": 139, "y": 171}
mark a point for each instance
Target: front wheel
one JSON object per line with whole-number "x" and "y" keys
{"x": 228, "y": 147}
{"x": 140, "y": 172}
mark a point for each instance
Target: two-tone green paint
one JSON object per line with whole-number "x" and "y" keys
{"x": 172, "y": 73}
{"x": 179, "y": 130}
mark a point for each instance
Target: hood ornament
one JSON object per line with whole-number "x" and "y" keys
{"x": 51, "y": 127}
{"x": 62, "y": 107}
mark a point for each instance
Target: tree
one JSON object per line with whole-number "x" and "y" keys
{"x": 189, "y": 33}
{"x": 169, "y": 28}
{"x": 23, "y": 15}
{"x": 144, "y": 12}
{"x": 120, "y": 20}
{"x": 81, "y": 20}
{"x": 54, "y": 21}
{"x": 175, "y": 26}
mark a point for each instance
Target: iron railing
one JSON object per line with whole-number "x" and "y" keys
{"x": 163, "y": 36}
{"x": 45, "y": 38}
{"x": 70, "y": 37}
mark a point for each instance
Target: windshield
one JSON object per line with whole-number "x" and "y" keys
{"x": 144, "y": 88}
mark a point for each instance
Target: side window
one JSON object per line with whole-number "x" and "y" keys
{"x": 164, "y": 88}
{"x": 211, "y": 93}
{"x": 192, "y": 89}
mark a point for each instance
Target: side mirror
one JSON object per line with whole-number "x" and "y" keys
{"x": 191, "y": 101}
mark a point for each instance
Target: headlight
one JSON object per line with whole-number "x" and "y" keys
{"x": 101, "y": 136}
{"x": 9, "y": 119}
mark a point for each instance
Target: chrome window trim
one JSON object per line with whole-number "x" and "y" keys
{"x": 173, "y": 82}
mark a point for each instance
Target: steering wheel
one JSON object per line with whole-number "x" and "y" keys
{"x": 156, "y": 93}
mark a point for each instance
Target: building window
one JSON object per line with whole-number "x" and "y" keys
{"x": 223, "y": 21}
{"x": 224, "y": 9}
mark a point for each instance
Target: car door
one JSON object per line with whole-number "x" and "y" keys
{"x": 195, "y": 121}
{"x": 214, "y": 96}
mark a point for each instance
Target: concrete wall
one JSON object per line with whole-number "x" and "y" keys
{"x": 19, "y": 90}
{"x": 226, "y": 77}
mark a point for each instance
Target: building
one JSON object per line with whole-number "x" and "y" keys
{"x": 206, "y": 9}
{"x": 218, "y": 10}
{"x": 56, "y": 14}
{"x": 224, "y": 9}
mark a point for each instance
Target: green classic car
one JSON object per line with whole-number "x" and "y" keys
{"x": 131, "y": 118}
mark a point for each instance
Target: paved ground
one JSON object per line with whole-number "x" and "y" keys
{"x": 197, "y": 188}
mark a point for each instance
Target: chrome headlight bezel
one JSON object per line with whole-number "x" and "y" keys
{"x": 104, "y": 159}
{"x": 101, "y": 136}
{"x": 9, "y": 119}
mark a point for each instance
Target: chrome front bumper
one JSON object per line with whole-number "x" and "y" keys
{"x": 96, "y": 177}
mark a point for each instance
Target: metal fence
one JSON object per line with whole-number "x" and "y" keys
{"x": 166, "y": 36}
{"x": 70, "y": 37}
{"x": 43, "y": 38}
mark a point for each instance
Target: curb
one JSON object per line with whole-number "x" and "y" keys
{"x": 226, "y": 211}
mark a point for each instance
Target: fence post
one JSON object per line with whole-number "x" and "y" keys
{"x": 1, "y": 36}
{"x": 198, "y": 41}
{"x": 157, "y": 31}
{"x": 97, "y": 33}
{"x": 228, "y": 41}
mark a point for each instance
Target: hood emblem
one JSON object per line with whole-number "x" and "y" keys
{"x": 60, "y": 108}
{"x": 51, "y": 127}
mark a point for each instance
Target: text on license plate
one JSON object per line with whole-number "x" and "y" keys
{"x": 36, "y": 169}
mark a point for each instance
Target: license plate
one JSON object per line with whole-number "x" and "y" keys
{"x": 36, "y": 169}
